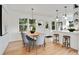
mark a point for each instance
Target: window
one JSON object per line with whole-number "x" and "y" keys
{"x": 32, "y": 21}
{"x": 23, "y": 24}
{"x": 53, "y": 25}
{"x": 32, "y": 24}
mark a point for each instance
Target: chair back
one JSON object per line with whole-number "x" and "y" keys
{"x": 40, "y": 39}
{"x": 25, "y": 40}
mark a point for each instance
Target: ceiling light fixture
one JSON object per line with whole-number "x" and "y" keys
{"x": 32, "y": 12}
{"x": 57, "y": 16}
{"x": 65, "y": 16}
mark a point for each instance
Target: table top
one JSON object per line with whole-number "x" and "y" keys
{"x": 33, "y": 34}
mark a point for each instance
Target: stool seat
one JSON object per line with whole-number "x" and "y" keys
{"x": 66, "y": 37}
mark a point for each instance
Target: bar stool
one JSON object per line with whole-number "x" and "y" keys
{"x": 66, "y": 41}
{"x": 56, "y": 39}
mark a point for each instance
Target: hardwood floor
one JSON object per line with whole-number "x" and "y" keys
{"x": 16, "y": 48}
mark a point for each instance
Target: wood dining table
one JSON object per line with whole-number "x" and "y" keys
{"x": 33, "y": 36}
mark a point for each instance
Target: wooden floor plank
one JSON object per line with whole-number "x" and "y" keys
{"x": 17, "y": 48}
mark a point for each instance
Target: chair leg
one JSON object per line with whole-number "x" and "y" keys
{"x": 44, "y": 43}
{"x": 36, "y": 50}
{"x": 29, "y": 49}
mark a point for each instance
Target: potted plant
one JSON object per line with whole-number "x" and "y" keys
{"x": 33, "y": 29}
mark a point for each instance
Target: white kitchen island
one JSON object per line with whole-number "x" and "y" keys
{"x": 74, "y": 38}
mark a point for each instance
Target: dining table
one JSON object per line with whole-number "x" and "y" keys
{"x": 33, "y": 36}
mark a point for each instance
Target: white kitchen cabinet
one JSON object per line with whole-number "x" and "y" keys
{"x": 74, "y": 41}
{"x": 74, "y": 38}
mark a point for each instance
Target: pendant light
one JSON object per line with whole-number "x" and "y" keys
{"x": 31, "y": 25}
{"x": 32, "y": 13}
{"x": 57, "y": 15}
{"x": 65, "y": 15}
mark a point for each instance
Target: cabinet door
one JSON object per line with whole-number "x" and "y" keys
{"x": 74, "y": 42}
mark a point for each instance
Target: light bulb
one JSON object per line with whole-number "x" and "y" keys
{"x": 57, "y": 19}
{"x": 65, "y": 17}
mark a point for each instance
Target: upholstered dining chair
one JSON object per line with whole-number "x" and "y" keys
{"x": 27, "y": 41}
{"x": 40, "y": 40}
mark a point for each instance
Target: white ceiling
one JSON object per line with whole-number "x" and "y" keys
{"x": 41, "y": 9}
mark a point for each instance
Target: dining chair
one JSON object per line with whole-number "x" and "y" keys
{"x": 27, "y": 41}
{"x": 40, "y": 41}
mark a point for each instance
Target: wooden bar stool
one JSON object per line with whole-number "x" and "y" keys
{"x": 66, "y": 41}
{"x": 56, "y": 39}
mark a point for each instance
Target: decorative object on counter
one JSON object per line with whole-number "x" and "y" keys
{"x": 33, "y": 29}
{"x": 71, "y": 26}
{"x": 71, "y": 29}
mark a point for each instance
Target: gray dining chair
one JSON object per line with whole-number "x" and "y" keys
{"x": 40, "y": 40}
{"x": 27, "y": 41}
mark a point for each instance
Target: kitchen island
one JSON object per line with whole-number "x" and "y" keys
{"x": 74, "y": 38}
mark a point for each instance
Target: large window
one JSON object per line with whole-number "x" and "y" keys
{"x": 23, "y": 24}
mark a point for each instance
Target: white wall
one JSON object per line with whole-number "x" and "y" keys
{"x": 9, "y": 30}
{"x": 11, "y": 21}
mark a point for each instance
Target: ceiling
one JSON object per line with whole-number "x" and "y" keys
{"x": 41, "y": 9}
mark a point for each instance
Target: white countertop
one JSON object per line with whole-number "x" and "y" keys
{"x": 65, "y": 31}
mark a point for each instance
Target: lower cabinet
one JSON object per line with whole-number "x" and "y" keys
{"x": 74, "y": 42}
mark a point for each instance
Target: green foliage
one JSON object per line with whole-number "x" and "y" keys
{"x": 22, "y": 24}
{"x": 33, "y": 28}
{"x": 23, "y": 21}
{"x": 31, "y": 21}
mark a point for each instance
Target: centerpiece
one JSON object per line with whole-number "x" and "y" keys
{"x": 33, "y": 29}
